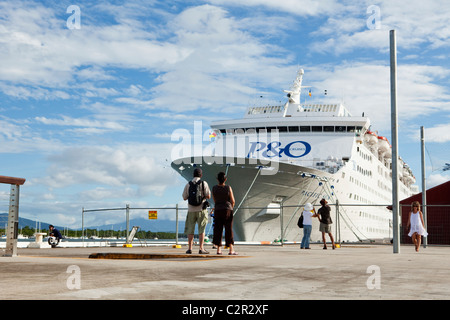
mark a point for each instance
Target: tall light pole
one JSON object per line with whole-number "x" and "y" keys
{"x": 424, "y": 187}
{"x": 394, "y": 138}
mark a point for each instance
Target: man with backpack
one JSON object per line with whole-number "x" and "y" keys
{"x": 196, "y": 192}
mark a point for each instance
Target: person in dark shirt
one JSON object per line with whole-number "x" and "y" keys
{"x": 223, "y": 214}
{"x": 53, "y": 232}
{"x": 325, "y": 222}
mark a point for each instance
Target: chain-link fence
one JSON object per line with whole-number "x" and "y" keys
{"x": 437, "y": 220}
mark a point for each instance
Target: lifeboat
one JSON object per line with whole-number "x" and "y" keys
{"x": 383, "y": 144}
{"x": 408, "y": 175}
{"x": 400, "y": 164}
{"x": 371, "y": 138}
{"x": 388, "y": 154}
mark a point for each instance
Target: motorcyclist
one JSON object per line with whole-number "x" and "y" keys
{"x": 55, "y": 236}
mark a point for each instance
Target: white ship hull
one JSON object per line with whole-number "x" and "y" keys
{"x": 258, "y": 218}
{"x": 315, "y": 152}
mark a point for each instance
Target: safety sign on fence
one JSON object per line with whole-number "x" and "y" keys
{"x": 153, "y": 214}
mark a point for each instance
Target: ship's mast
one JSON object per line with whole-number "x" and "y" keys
{"x": 294, "y": 93}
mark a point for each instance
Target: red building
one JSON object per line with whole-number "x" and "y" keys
{"x": 438, "y": 214}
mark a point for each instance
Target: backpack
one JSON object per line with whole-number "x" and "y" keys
{"x": 195, "y": 197}
{"x": 300, "y": 221}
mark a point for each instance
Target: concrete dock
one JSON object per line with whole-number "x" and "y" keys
{"x": 259, "y": 272}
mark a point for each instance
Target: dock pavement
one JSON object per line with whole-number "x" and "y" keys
{"x": 259, "y": 272}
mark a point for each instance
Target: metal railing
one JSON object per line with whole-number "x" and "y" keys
{"x": 438, "y": 218}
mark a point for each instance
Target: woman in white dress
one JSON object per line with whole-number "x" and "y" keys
{"x": 415, "y": 221}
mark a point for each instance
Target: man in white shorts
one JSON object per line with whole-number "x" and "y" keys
{"x": 196, "y": 214}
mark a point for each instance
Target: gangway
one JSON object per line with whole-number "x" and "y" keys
{"x": 131, "y": 236}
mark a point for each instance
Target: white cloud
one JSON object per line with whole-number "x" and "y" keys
{"x": 436, "y": 179}
{"x": 121, "y": 166}
{"x": 416, "y": 24}
{"x": 69, "y": 121}
{"x": 94, "y": 73}
{"x": 224, "y": 66}
{"x": 38, "y": 49}
{"x": 439, "y": 133}
{"x": 296, "y": 7}
{"x": 35, "y": 92}
{"x": 365, "y": 87}
{"x": 207, "y": 58}
{"x": 18, "y": 137}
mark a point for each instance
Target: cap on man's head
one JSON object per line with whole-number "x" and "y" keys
{"x": 197, "y": 172}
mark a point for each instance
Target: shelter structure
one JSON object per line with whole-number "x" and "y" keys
{"x": 437, "y": 214}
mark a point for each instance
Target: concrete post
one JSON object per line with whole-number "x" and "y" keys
{"x": 13, "y": 222}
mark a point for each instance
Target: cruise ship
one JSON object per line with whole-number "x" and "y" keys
{"x": 277, "y": 158}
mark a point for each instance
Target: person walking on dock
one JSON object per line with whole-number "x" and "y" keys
{"x": 196, "y": 192}
{"x": 325, "y": 222}
{"x": 415, "y": 221}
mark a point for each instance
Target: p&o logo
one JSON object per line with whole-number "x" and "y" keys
{"x": 295, "y": 149}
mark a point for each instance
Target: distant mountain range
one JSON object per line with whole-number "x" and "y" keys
{"x": 144, "y": 224}
{"x": 156, "y": 225}
{"x": 23, "y": 222}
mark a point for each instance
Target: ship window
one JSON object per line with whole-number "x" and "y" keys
{"x": 293, "y": 129}
{"x": 316, "y": 128}
{"x": 340, "y": 128}
{"x": 250, "y": 130}
{"x": 351, "y": 129}
{"x": 282, "y": 129}
{"x": 261, "y": 130}
{"x": 305, "y": 128}
{"x": 239, "y": 131}
{"x": 223, "y": 131}
{"x": 328, "y": 128}
{"x": 270, "y": 129}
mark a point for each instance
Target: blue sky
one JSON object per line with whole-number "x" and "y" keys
{"x": 86, "y": 114}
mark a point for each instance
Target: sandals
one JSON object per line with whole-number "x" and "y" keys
{"x": 233, "y": 254}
